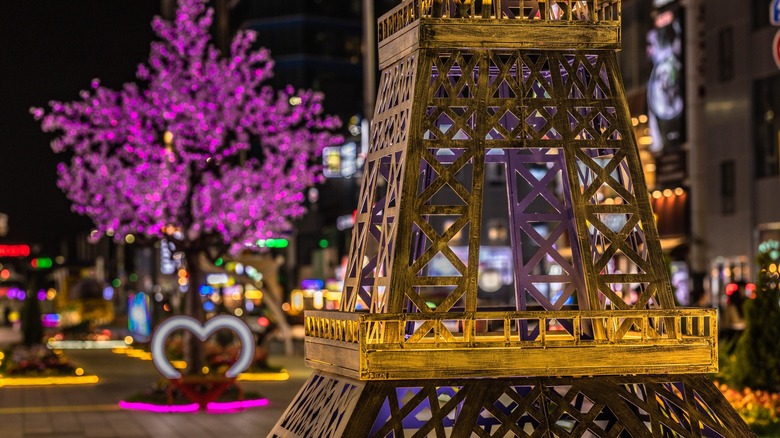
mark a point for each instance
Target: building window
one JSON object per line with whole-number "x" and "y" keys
{"x": 760, "y": 13}
{"x": 726, "y": 54}
{"x": 766, "y": 125}
{"x": 497, "y": 231}
{"x": 728, "y": 187}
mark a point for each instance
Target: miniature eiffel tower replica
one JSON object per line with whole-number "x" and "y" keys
{"x": 529, "y": 91}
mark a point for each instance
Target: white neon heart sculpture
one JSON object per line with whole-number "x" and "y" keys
{"x": 188, "y": 323}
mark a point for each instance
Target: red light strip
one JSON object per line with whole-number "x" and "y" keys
{"x": 14, "y": 250}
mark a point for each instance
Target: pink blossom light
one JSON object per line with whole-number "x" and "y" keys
{"x": 165, "y": 152}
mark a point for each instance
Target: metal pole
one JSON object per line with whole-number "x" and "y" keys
{"x": 222, "y": 18}
{"x": 369, "y": 59}
{"x": 167, "y": 9}
{"x": 697, "y": 162}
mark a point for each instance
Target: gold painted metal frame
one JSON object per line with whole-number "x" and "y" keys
{"x": 637, "y": 342}
{"x": 533, "y": 86}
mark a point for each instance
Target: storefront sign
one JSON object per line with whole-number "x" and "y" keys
{"x": 340, "y": 161}
{"x": 167, "y": 264}
{"x": 3, "y": 224}
{"x": 345, "y": 222}
{"x": 776, "y": 49}
{"x": 138, "y": 315}
{"x": 670, "y": 169}
{"x": 14, "y": 250}
{"x": 771, "y": 247}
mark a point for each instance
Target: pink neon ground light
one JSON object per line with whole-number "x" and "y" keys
{"x": 193, "y": 407}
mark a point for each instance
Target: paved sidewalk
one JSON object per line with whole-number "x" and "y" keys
{"x": 92, "y": 411}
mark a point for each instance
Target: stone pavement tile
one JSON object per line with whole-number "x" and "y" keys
{"x": 156, "y": 425}
{"x": 208, "y": 427}
{"x": 11, "y": 426}
{"x": 233, "y": 425}
{"x": 34, "y": 396}
{"x": 124, "y": 425}
{"x": 66, "y": 423}
{"x": 248, "y": 421}
{"x": 95, "y": 425}
{"x": 56, "y": 398}
{"x": 37, "y": 424}
{"x": 187, "y": 425}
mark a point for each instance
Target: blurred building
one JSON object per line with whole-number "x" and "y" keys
{"x": 319, "y": 45}
{"x": 742, "y": 134}
{"x": 704, "y": 90}
{"x": 654, "y": 66}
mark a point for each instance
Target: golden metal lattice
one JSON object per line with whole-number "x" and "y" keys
{"x": 442, "y": 115}
{"x": 533, "y": 87}
{"x": 622, "y": 406}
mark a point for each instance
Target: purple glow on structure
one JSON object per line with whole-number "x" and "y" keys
{"x": 41, "y": 295}
{"x": 137, "y": 406}
{"x": 193, "y": 407}
{"x": 159, "y": 158}
{"x": 237, "y": 405}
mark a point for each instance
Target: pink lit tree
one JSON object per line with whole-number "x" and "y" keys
{"x": 167, "y": 157}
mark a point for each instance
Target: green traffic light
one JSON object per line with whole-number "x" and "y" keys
{"x": 273, "y": 243}
{"x": 41, "y": 263}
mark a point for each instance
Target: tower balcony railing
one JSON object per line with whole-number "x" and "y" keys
{"x": 503, "y": 24}
{"x": 584, "y": 11}
{"x": 510, "y": 344}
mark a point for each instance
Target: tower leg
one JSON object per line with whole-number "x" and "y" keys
{"x": 608, "y": 406}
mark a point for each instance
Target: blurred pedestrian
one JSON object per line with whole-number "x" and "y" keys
{"x": 734, "y": 316}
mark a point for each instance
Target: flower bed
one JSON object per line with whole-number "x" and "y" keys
{"x": 158, "y": 394}
{"x": 164, "y": 397}
{"x": 38, "y": 366}
{"x": 759, "y": 409}
{"x": 36, "y": 361}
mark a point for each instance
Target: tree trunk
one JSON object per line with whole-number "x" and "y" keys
{"x": 272, "y": 297}
{"x": 192, "y": 346}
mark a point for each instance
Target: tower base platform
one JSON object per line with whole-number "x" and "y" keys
{"x": 330, "y": 405}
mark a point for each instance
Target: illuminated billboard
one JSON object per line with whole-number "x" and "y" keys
{"x": 340, "y": 161}
{"x": 666, "y": 95}
{"x": 139, "y": 320}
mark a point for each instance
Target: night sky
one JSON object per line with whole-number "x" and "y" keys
{"x": 50, "y": 50}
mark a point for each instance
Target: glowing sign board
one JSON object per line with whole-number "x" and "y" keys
{"x": 340, "y": 161}
{"x": 138, "y": 316}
